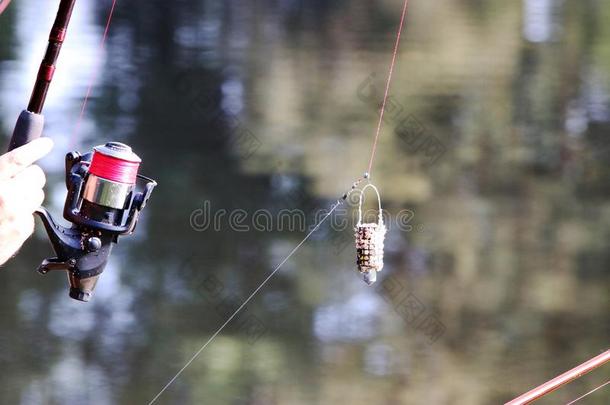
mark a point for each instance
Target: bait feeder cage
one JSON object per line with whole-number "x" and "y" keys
{"x": 369, "y": 241}
{"x": 105, "y": 197}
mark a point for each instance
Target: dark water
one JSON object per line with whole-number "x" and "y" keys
{"x": 495, "y": 281}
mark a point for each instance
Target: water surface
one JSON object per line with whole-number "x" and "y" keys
{"x": 272, "y": 105}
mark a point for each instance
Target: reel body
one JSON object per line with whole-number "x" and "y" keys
{"x": 105, "y": 197}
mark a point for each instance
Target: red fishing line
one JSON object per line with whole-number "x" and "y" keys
{"x": 387, "y": 85}
{"x": 111, "y": 168}
{"x": 93, "y": 77}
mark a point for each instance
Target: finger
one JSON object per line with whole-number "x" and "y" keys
{"x": 15, "y": 232}
{"x": 22, "y": 194}
{"x": 13, "y": 240}
{"x": 28, "y": 178}
{"x": 22, "y": 203}
{"x": 18, "y": 159}
{"x": 25, "y": 228}
{"x": 19, "y": 194}
{"x": 33, "y": 200}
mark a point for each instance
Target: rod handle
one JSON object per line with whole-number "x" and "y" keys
{"x": 28, "y": 127}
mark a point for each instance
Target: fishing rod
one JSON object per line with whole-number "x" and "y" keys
{"x": 105, "y": 191}
{"x": 31, "y": 121}
{"x": 561, "y": 380}
{"x": 3, "y": 5}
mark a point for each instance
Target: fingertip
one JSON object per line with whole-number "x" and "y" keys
{"x": 44, "y": 144}
{"x": 38, "y": 176}
{"x": 16, "y": 160}
{"x": 30, "y": 224}
{"x": 38, "y": 198}
{"x": 30, "y": 152}
{"x": 31, "y": 177}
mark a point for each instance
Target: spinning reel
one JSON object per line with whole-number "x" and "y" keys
{"x": 104, "y": 201}
{"x": 105, "y": 192}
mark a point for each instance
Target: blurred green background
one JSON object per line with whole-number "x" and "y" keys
{"x": 271, "y": 105}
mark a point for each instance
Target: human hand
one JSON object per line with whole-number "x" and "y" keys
{"x": 21, "y": 193}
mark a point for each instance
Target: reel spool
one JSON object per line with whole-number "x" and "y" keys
{"x": 105, "y": 197}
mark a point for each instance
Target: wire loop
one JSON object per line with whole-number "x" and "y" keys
{"x": 360, "y": 201}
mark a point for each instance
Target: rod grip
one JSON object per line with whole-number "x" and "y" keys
{"x": 28, "y": 127}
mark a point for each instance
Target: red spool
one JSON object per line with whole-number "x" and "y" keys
{"x": 121, "y": 170}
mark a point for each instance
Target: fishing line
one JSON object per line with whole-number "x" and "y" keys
{"x": 340, "y": 201}
{"x": 93, "y": 76}
{"x": 588, "y": 393}
{"x": 387, "y": 86}
{"x": 265, "y": 281}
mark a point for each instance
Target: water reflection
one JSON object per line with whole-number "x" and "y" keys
{"x": 538, "y": 21}
{"x": 356, "y": 319}
{"x": 256, "y": 106}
